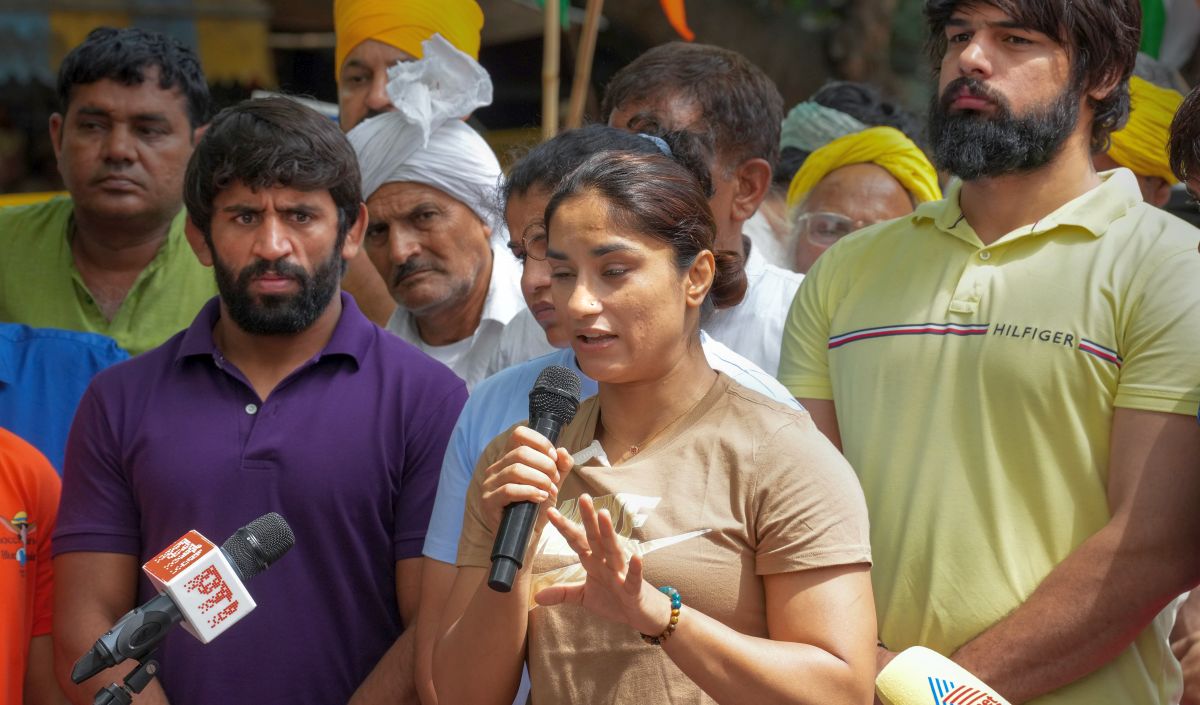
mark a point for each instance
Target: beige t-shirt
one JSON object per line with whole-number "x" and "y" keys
{"x": 737, "y": 488}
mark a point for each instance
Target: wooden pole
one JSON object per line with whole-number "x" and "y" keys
{"x": 550, "y": 50}
{"x": 583, "y": 63}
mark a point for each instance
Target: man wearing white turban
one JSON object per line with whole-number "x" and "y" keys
{"x": 430, "y": 182}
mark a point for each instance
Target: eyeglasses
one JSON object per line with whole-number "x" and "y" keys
{"x": 825, "y": 228}
{"x": 532, "y": 244}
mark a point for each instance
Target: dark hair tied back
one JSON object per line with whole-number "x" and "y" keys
{"x": 659, "y": 197}
{"x": 729, "y": 281}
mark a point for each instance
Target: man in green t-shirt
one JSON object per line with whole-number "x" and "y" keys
{"x": 112, "y": 258}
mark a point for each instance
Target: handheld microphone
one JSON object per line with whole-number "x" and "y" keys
{"x": 198, "y": 584}
{"x": 919, "y": 676}
{"x": 553, "y": 402}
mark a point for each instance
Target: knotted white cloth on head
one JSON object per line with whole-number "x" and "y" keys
{"x": 425, "y": 139}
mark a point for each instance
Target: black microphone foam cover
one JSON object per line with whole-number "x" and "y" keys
{"x": 555, "y": 393}
{"x": 255, "y": 546}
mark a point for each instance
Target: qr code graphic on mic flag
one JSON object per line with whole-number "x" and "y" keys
{"x": 946, "y": 693}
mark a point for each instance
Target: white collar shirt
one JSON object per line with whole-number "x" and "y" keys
{"x": 754, "y": 328}
{"x": 469, "y": 358}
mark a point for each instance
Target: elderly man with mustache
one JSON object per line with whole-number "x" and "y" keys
{"x": 430, "y": 182}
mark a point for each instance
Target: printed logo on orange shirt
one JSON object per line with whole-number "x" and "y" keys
{"x": 22, "y": 527}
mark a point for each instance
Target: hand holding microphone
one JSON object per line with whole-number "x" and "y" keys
{"x": 530, "y": 472}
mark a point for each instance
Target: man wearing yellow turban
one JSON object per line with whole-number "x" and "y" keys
{"x": 374, "y": 34}
{"x": 856, "y": 180}
{"x": 371, "y": 36}
{"x": 1141, "y": 146}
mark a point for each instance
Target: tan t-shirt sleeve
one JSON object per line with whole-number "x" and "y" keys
{"x": 475, "y": 541}
{"x": 804, "y": 353}
{"x": 810, "y": 510}
{"x": 1161, "y": 343}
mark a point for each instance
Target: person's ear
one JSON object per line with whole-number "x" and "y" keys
{"x": 56, "y": 133}
{"x": 700, "y": 278}
{"x": 199, "y": 132}
{"x": 195, "y": 238}
{"x": 751, "y": 182}
{"x": 1105, "y": 87}
{"x": 354, "y": 236}
{"x": 1159, "y": 190}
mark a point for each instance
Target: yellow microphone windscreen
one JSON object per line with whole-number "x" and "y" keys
{"x": 919, "y": 676}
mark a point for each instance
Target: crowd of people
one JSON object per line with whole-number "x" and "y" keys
{"x": 853, "y": 379}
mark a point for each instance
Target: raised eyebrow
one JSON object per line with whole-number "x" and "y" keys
{"x": 151, "y": 117}
{"x": 598, "y": 251}
{"x": 301, "y": 208}
{"x": 238, "y": 208}
{"x": 963, "y": 23}
{"x": 602, "y": 250}
{"x": 422, "y": 206}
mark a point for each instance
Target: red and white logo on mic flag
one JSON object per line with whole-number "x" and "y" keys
{"x": 195, "y": 573}
{"x": 947, "y": 693}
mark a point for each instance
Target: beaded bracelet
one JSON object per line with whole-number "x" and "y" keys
{"x": 676, "y": 603}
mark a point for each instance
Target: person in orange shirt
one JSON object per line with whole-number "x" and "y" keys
{"x": 29, "y": 489}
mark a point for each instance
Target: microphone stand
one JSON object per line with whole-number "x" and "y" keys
{"x": 137, "y": 679}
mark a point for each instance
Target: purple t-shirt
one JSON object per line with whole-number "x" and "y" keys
{"x": 347, "y": 448}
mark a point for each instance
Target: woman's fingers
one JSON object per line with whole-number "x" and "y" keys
{"x": 560, "y": 594}
{"x": 519, "y": 474}
{"x": 572, "y": 533}
{"x": 633, "y": 576}
{"x": 508, "y": 494}
{"x": 525, "y": 436}
{"x": 609, "y": 544}
{"x": 529, "y": 457}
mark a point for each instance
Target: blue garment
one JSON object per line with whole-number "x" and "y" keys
{"x": 502, "y": 400}
{"x": 43, "y": 374}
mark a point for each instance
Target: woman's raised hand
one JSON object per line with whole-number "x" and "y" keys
{"x": 532, "y": 470}
{"x": 614, "y": 588}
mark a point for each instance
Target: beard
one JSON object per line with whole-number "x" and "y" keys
{"x": 971, "y": 145}
{"x": 278, "y": 314}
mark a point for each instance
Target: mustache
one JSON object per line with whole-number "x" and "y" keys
{"x": 409, "y": 268}
{"x": 974, "y": 88}
{"x": 279, "y": 268}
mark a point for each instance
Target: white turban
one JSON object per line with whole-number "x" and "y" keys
{"x": 425, "y": 140}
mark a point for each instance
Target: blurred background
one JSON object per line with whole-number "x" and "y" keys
{"x": 287, "y": 45}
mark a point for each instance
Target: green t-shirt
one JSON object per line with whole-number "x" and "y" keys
{"x": 40, "y": 286}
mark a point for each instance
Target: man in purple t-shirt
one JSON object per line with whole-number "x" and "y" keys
{"x": 281, "y": 396}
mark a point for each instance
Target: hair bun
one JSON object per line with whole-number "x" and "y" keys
{"x": 729, "y": 281}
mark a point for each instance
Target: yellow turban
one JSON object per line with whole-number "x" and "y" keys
{"x": 404, "y": 24}
{"x": 1141, "y": 146}
{"x": 884, "y": 146}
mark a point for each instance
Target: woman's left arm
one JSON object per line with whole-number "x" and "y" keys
{"x": 821, "y": 624}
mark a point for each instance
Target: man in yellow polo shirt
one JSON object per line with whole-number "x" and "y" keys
{"x": 1013, "y": 372}
{"x": 112, "y": 259}
{"x": 371, "y": 36}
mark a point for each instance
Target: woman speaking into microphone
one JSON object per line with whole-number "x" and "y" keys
{"x": 716, "y": 549}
